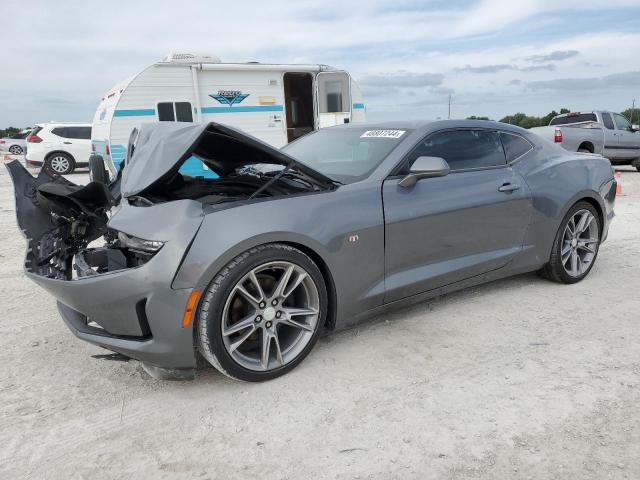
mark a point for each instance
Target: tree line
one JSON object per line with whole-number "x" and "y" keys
{"x": 526, "y": 121}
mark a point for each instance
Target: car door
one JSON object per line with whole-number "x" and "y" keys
{"x": 628, "y": 139}
{"x": 446, "y": 229}
{"x": 78, "y": 143}
{"x": 610, "y": 136}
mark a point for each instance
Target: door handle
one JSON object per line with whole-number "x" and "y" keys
{"x": 509, "y": 187}
{"x": 68, "y": 143}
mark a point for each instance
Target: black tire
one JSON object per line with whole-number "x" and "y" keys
{"x": 16, "y": 150}
{"x": 636, "y": 164}
{"x": 554, "y": 270}
{"x": 60, "y": 163}
{"x": 584, "y": 150}
{"x": 210, "y": 312}
{"x": 97, "y": 172}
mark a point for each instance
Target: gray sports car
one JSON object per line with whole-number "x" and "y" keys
{"x": 249, "y": 262}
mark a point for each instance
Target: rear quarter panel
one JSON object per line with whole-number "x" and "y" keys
{"x": 557, "y": 180}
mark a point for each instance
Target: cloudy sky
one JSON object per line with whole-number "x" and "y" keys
{"x": 495, "y": 57}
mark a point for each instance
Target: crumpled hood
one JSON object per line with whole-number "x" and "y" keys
{"x": 161, "y": 148}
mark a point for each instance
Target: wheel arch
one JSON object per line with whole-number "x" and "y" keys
{"x": 587, "y": 146}
{"x": 53, "y": 152}
{"x": 185, "y": 278}
{"x": 330, "y": 321}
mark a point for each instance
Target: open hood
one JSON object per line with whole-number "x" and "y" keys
{"x": 161, "y": 148}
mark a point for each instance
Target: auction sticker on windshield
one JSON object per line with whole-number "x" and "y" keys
{"x": 383, "y": 134}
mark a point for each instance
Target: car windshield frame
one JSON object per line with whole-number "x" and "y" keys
{"x": 385, "y": 142}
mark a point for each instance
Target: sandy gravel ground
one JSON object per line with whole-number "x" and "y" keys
{"x": 518, "y": 379}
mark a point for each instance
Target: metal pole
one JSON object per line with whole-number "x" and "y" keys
{"x": 633, "y": 110}
{"x": 449, "y": 117}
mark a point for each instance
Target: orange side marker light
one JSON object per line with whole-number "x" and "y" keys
{"x": 187, "y": 318}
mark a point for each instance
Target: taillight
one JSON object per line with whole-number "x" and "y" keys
{"x": 2, "y": 141}
{"x": 107, "y": 150}
{"x": 557, "y": 137}
{"x": 33, "y": 139}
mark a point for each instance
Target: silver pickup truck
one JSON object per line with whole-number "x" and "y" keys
{"x": 607, "y": 133}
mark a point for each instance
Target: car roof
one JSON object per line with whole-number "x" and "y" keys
{"x": 432, "y": 125}
{"x": 64, "y": 124}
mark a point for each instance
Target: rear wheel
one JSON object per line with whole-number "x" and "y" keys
{"x": 576, "y": 245}
{"x": 584, "y": 150}
{"x": 636, "y": 163}
{"x": 60, "y": 163}
{"x": 261, "y": 315}
{"x": 15, "y": 149}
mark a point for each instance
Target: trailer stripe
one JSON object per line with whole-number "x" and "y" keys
{"x": 141, "y": 112}
{"x": 241, "y": 109}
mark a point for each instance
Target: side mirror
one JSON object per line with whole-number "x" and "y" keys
{"x": 635, "y": 128}
{"x": 425, "y": 167}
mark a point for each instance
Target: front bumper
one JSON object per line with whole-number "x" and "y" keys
{"x": 132, "y": 311}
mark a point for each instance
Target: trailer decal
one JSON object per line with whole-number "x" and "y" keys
{"x": 248, "y": 108}
{"x": 229, "y": 97}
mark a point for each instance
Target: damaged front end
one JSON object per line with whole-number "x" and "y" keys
{"x": 58, "y": 219}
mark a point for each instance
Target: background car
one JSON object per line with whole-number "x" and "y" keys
{"x": 61, "y": 147}
{"x": 15, "y": 144}
{"x": 249, "y": 268}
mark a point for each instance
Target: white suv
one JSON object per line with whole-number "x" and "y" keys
{"x": 62, "y": 147}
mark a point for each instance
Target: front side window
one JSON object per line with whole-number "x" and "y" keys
{"x": 464, "y": 149}
{"x": 621, "y": 122}
{"x": 608, "y": 121}
{"x": 514, "y": 146}
{"x": 175, "y": 112}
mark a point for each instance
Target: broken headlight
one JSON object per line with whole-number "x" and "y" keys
{"x": 138, "y": 244}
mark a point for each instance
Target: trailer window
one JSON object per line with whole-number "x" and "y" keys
{"x": 165, "y": 112}
{"x": 175, "y": 112}
{"x": 333, "y": 92}
{"x": 184, "y": 112}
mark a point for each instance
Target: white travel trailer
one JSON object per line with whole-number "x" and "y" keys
{"x": 276, "y": 103}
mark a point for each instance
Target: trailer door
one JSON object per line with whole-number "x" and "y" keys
{"x": 333, "y": 98}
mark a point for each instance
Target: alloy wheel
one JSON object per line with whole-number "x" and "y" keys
{"x": 579, "y": 243}
{"x": 15, "y": 149}
{"x": 270, "y": 316}
{"x": 59, "y": 164}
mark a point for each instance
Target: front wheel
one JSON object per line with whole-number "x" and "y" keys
{"x": 262, "y": 314}
{"x": 576, "y": 245}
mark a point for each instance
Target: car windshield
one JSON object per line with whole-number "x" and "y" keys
{"x": 347, "y": 155}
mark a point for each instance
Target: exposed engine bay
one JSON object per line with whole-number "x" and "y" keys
{"x": 61, "y": 219}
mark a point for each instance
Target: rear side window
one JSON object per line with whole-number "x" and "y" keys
{"x": 81, "y": 133}
{"x": 60, "y": 131}
{"x": 574, "y": 118}
{"x": 608, "y": 121}
{"x": 19, "y": 136}
{"x": 175, "y": 112}
{"x": 464, "y": 149}
{"x": 514, "y": 146}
